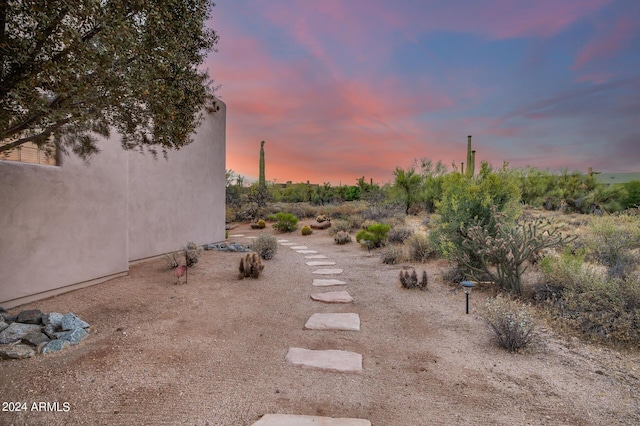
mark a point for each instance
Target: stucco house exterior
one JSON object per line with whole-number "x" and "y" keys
{"x": 77, "y": 224}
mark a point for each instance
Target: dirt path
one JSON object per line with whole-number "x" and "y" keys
{"x": 212, "y": 352}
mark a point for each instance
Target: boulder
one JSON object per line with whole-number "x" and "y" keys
{"x": 17, "y": 331}
{"x": 53, "y": 318}
{"x": 76, "y": 336}
{"x": 32, "y": 316}
{"x": 35, "y": 339}
{"x": 71, "y": 322}
{"x": 321, "y": 225}
{"x": 3, "y": 325}
{"x": 16, "y": 351}
{"x": 55, "y": 346}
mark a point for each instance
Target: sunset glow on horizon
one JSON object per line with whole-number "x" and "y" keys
{"x": 342, "y": 89}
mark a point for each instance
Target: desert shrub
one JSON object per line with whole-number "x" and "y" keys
{"x": 251, "y": 266}
{"x": 265, "y": 245}
{"x": 356, "y": 221}
{"x": 340, "y": 225}
{"x": 192, "y": 252}
{"x": 374, "y": 235}
{"x": 272, "y": 217}
{"x": 453, "y": 275}
{"x": 506, "y": 255}
{"x": 172, "y": 259}
{"x": 471, "y": 201}
{"x": 378, "y": 213}
{"x": 261, "y": 224}
{"x": 420, "y": 249}
{"x": 610, "y": 241}
{"x": 410, "y": 280}
{"x": 511, "y": 322}
{"x": 285, "y": 222}
{"x": 593, "y": 303}
{"x": 342, "y": 237}
{"x": 392, "y": 254}
{"x": 398, "y": 235}
{"x": 306, "y": 230}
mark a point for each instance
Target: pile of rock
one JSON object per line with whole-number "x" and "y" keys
{"x": 234, "y": 247}
{"x": 33, "y": 332}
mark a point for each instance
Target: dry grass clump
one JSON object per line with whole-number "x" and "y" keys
{"x": 511, "y": 322}
{"x": 342, "y": 237}
{"x": 420, "y": 249}
{"x": 392, "y": 254}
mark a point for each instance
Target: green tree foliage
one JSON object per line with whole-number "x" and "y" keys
{"x": 432, "y": 179}
{"x": 633, "y": 194}
{"x": 473, "y": 201}
{"x": 374, "y": 236}
{"x": 407, "y": 184}
{"x": 70, "y": 69}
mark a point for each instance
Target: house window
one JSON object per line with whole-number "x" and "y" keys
{"x": 31, "y": 153}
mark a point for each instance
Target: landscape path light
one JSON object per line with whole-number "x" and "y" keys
{"x": 468, "y": 285}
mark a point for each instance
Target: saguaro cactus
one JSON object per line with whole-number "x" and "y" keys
{"x": 471, "y": 159}
{"x": 261, "y": 180}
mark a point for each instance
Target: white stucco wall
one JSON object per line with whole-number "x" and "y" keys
{"x": 77, "y": 224}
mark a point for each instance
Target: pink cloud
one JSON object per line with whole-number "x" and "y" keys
{"x": 610, "y": 40}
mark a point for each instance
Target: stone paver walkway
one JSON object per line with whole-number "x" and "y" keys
{"x": 294, "y": 420}
{"x": 327, "y": 271}
{"x": 333, "y": 297}
{"x": 332, "y": 360}
{"x": 326, "y": 283}
{"x": 332, "y": 321}
{"x": 327, "y": 360}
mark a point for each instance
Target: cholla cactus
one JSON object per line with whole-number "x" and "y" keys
{"x": 342, "y": 237}
{"x": 511, "y": 249}
{"x": 251, "y": 266}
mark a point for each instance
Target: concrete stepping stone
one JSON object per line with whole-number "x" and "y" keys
{"x": 236, "y": 235}
{"x": 333, "y": 297}
{"x": 320, "y": 263}
{"x": 295, "y": 420}
{"x": 316, "y": 256}
{"x": 251, "y": 238}
{"x": 283, "y": 241}
{"x": 306, "y": 251}
{"x": 327, "y": 283}
{"x": 288, "y": 244}
{"x": 327, "y": 360}
{"x": 333, "y": 321}
{"x": 327, "y": 271}
{"x": 299, "y": 247}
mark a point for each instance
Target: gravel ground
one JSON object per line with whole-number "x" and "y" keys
{"x": 211, "y": 352}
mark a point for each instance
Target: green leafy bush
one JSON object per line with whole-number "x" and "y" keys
{"x": 306, "y": 230}
{"x": 342, "y": 237}
{"x": 285, "y": 222}
{"x": 374, "y": 236}
{"x": 420, "y": 249}
{"x": 265, "y": 245}
{"x": 473, "y": 201}
{"x": 511, "y": 322}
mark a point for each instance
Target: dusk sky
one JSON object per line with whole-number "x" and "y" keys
{"x": 349, "y": 88}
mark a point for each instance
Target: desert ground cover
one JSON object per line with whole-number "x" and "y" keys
{"x": 212, "y": 352}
